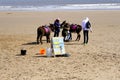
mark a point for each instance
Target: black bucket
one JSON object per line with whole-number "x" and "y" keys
{"x": 23, "y": 52}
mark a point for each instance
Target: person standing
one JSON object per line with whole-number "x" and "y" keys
{"x": 86, "y": 26}
{"x": 57, "y": 27}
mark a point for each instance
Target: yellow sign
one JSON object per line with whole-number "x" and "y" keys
{"x": 58, "y": 45}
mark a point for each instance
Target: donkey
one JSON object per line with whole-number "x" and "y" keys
{"x": 72, "y": 28}
{"x": 44, "y": 31}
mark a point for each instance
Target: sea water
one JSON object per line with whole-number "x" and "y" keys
{"x": 49, "y": 5}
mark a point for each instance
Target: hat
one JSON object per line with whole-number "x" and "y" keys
{"x": 58, "y": 19}
{"x": 86, "y": 19}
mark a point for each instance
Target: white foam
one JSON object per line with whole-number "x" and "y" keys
{"x": 91, "y": 6}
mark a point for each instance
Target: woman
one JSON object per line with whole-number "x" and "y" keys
{"x": 86, "y": 27}
{"x": 57, "y": 27}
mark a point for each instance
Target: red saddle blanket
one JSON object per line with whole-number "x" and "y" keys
{"x": 47, "y": 29}
{"x": 73, "y": 27}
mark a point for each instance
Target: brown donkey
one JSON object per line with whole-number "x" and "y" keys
{"x": 72, "y": 28}
{"x": 44, "y": 31}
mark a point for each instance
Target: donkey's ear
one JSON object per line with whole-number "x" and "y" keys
{"x": 64, "y": 21}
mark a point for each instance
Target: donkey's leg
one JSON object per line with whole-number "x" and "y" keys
{"x": 38, "y": 38}
{"x": 48, "y": 38}
{"x": 78, "y": 37}
{"x": 41, "y": 39}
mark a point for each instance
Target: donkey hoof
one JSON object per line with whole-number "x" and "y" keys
{"x": 37, "y": 42}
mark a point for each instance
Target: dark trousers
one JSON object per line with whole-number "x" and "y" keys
{"x": 86, "y": 37}
{"x": 56, "y": 34}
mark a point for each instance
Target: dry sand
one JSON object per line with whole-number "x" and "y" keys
{"x": 98, "y": 60}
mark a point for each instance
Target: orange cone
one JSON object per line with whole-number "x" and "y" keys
{"x": 42, "y": 51}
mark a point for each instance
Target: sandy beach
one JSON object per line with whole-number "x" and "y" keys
{"x": 98, "y": 60}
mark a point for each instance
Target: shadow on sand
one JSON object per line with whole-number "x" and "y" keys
{"x": 72, "y": 43}
{"x": 45, "y": 56}
{"x": 30, "y": 43}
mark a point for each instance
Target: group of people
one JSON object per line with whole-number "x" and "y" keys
{"x": 86, "y": 27}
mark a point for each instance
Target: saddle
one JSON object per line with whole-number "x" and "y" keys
{"x": 73, "y": 27}
{"x": 47, "y": 29}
